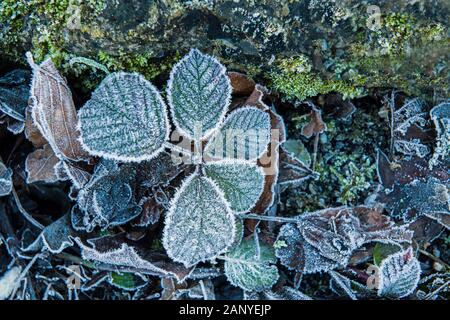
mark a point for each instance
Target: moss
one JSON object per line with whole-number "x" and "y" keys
{"x": 142, "y": 63}
{"x": 295, "y": 79}
{"x": 404, "y": 53}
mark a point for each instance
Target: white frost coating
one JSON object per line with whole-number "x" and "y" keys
{"x": 125, "y": 119}
{"x": 53, "y": 110}
{"x": 55, "y": 237}
{"x": 78, "y": 177}
{"x": 440, "y": 115}
{"x": 399, "y": 274}
{"x": 200, "y": 224}
{"x": 246, "y": 269}
{"x": 123, "y": 256}
{"x": 8, "y": 282}
{"x": 199, "y": 92}
{"x": 245, "y": 134}
{"x": 241, "y": 181}
{"x": 5, "y": 180}
{"x": 411, "y": 113}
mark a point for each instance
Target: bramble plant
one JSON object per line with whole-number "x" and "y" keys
{"x": 214, "y": 177}
{"x": 127, "y": 120}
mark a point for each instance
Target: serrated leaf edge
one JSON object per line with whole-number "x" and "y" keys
{"x": 169, "y": 217}
{"x": 240, "y": 162}
{"x": 165, "y": 114}
{"x": 175, "y": 68}
{"x": 228, "y": 116}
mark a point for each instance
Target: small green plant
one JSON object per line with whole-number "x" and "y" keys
{"x": 127, "y": 120}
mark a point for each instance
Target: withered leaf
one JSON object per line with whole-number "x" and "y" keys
{"x": 54, "y": 111}
{"x": 330, "y": 236}
{"x": 119, "y": 251}
{"x": 412, "y": 189}
{"x": 40, "y": 165}
{"x": 32, "y": 132}
{"x": 292, "y": 170}
{"x": 241, "y": 84}
{"x": 315, "y": 125}
{"x": 338, "y": 108}
{"x": 55, "y": 237}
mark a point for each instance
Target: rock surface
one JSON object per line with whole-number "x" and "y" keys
{"x": 406, "y": 46}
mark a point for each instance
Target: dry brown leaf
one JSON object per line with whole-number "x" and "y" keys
{"x": 40, "y": 165}
{"x": 54, "y": 112}
{"x": 241, "y": 84}
{"x": 32, "y": 133}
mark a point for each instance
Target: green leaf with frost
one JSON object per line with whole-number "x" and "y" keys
{"x": 200, "y": 224}
{"x": 199, "y": 93}
{"x": 125, "y": 119}
{"x": 242, "y": 182}
{"x": 251, "y": 266}
{"x": 399, "y": 274}
{"x": 245, "y": 134}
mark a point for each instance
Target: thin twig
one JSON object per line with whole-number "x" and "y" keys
{"x": 314, "y": 155}
{"x": 268, "y": 218}
{"x": 432, "y": 257}
{"x": 430, "y": 295}
{"x": 24, "y": 212}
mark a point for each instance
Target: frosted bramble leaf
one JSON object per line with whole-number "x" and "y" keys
{"x": 14, "y": 93}
{"x": 440, "y": 115}
{"x": 399, "y": 274}
{"x": 289, "y": 248}
{"x": 242, "y": 182}
{"x": 125, "y": 119}
{"x": 55, "y": 237}
{"x": 326, "y": 239}
{"x": 107, "y": 200}
{"x": 245, "y": 134}
{"x": 199, "y": 93}
{"x": 5, "y": 180}
{"x": 117, "y": 250}
{"x": 200, "y": 224}
{"x": 418, "y": 198}
{"x": 251, "y": 269}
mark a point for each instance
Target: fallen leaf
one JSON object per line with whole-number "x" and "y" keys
{"x": 54, "y": 111}
{"x": 40, "y": 165}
